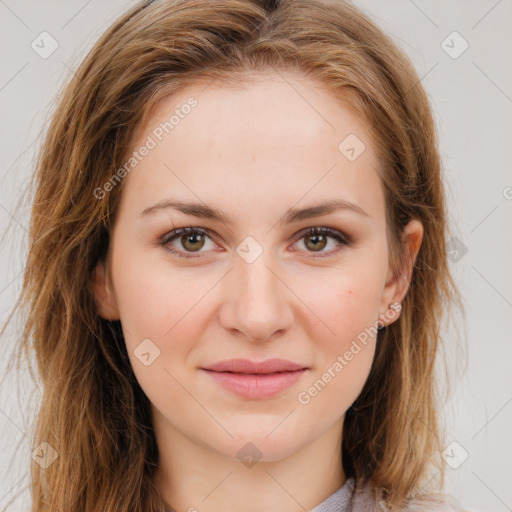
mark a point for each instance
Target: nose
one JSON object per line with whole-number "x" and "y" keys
{"x": 258, "y": 303}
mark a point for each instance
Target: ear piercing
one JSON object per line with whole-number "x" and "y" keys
{"x": 396, "y": 307}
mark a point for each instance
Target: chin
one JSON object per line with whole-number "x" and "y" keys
{"x": 258, "y": 447}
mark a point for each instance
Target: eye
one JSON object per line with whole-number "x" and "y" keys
{"x": 190, "y": 239}
{"x": 316, "y": 239}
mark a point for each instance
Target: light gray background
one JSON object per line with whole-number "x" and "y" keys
{"x": 472, "y": 99}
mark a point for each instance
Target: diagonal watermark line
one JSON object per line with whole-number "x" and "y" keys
{"x": 13, "y": 217}
{"x": 304, "y": 98}
{"x": 76, "y": 14}
{"x": 15, "y": 485}
{"x": 208, "y": 84}
{"x": 11, "y": 281}
{"x": 492, "y": 81}
{"x": 424, "y": 487}
{"x": 421, "y": 78}
{"x": 217, "y": 485}
{"x": 424, "y": 14}
{"x": 492, "y": 211}
{"x": 5, "y": 5}
{"x": 14, "y": 76}
{"x": 280, "y": 423}
{"x": 199, "y": 403}
{"x": 14, "y": 423}
{"x": 423, "y": 423}
{"x": 493, "y": 287}
{"x": 492, "y": 418}
{"x": 485, "y": 15}
{"x": 198, "y": 301}
{"x": 291, "y": 496}
{"x": 428, "y": 483}
{"x": 68, "y": 68}
{"x": 508, "y": 508}
{"x": 301, "y": 300}
{"x": 304, "y": 195}
{"x": 170, "y": 170}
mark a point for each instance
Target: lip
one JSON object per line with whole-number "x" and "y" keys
{"x": 254, "y": 380}
{"x": 248, "y": 366}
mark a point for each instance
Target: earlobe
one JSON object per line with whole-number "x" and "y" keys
{"x": 400, "y": 279}
{"x": 106, "y": 304}
{"x": 392, "y": 314}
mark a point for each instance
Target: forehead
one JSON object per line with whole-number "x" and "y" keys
{"x": 261, "y": 104}
{"x": 279, "y": 136}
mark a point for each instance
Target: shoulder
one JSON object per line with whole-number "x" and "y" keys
{"x": 366, "y": 499}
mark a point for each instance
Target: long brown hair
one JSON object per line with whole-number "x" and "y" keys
{"x": 92, "y": 411}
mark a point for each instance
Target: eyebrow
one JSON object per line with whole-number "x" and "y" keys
{"x": 292, "y": 215}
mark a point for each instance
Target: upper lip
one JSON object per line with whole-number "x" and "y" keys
{"x": 248, "y": 366}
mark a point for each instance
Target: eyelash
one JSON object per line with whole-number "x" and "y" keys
{"x": 322, "y": 231}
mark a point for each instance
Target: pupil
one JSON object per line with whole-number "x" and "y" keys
{"x": 317, "y": 242}
{"x": 193, "y": 239}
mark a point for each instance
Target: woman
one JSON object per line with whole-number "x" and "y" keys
{"x": 195, "y": 352}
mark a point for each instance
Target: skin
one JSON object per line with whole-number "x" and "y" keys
{"x": 252, "y": 152}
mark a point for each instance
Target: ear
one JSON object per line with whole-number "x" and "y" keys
{"x": 106, "y": 303}
{"x": 398, "y": 280}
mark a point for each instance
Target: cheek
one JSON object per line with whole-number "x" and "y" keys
{"x": 342, "y": 315}
{"x": 347, "y": 302}
{"x": 345, "y": 343}
{"x": 162, "y": 306}
{"x": 157, "y": 302}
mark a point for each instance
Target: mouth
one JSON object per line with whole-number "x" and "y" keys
{"x": 247, "y": 366}
{"x": 256, "y": 385}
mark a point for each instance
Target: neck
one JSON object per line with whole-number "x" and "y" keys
{"x": 193, "y": 476}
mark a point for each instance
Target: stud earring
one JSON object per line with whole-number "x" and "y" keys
{"x": 396, "y": 307}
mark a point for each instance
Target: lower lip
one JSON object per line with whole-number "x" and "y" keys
{"x": 256, "y": 385}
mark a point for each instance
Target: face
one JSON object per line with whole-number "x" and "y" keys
{"x": 258, "y": 282}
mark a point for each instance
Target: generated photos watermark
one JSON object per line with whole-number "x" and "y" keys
{"x": 151, "y": 141}
{"x": 342, "y": 360}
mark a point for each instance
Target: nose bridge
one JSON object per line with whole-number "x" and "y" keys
{"x": 259, "y": 284}
{"x": 259, "y": 305}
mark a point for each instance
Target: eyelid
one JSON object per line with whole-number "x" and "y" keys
{"x": 342, "y": 239}
{"x": 326, "y": 231}
{"x": 176, "y": 233}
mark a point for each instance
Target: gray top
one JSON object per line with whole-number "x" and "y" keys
{"x": 364, "y": 499}
{"x": 338, "y": 501}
